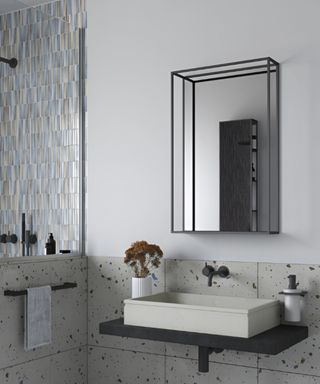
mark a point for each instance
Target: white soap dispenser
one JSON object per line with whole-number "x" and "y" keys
{"x": 293, "y": 300}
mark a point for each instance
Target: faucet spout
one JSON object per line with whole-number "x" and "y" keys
{"x": 210, "y": 277}
{"x": 209, "y": 271}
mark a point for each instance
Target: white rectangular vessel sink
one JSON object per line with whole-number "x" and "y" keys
{"x": 218, "y": 315}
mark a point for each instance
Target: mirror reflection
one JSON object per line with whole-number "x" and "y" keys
{"x": 225, "y": 148}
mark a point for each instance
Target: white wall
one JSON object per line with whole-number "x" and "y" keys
{"x": 133, "y": 45}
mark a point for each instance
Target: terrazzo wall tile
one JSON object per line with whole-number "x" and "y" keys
{"x": 107, "y": 365}
{"x": 185, "y": 371}
{"x": 69, "y": 308}
{"x": 304, "y": 357}
{"x": 271, "y": 377}
{"x": 109, "y": 283}
{"x": 227, "y": 357}
{"x": 299, "y": 364}
{"x": 186, "y": 276}
{"x": 71, "y": 367}
{"x": 39, "y": 124}
{"x": 36, "y": 371}
{"x": 16, "y": 276}
{"x": 63, "y": 368}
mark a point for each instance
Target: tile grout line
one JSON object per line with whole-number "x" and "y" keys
{"x": 191, "y": 359}
{"x": 43, "y": 357}
{"x": 289, "y": 373}
{"x": 260, "y": 372}
{"x": 171, "y": 356}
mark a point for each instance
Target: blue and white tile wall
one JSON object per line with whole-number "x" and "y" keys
{"x": 39, "y": 123}
{"x": 129, "y": 361}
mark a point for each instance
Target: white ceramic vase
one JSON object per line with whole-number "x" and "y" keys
{"x": 141, "y": 286}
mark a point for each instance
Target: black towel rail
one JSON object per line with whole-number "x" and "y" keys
{"x": 23, "y": 292}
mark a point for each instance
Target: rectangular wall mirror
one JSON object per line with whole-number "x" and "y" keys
{"x": 225, "y": 147}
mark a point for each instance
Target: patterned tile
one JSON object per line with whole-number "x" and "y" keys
{"x": 108, "y": 365}
{"x": 304, "y": 357}
{"x": 109, "y": 283}
{"x": 39, "y": 123}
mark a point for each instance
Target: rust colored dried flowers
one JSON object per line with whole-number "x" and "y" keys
{"x": 143, "y": 257}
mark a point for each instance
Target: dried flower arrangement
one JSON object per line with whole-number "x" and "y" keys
{"x": 143, "y": 257}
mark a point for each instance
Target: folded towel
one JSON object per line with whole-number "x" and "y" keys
{"x": 37, "y": 317}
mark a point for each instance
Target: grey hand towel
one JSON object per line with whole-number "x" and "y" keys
{"x": 37, "y": 317}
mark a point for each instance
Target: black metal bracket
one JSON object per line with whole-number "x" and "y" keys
{"x": 203, "y": 357}
{"x": 24, "y": 292}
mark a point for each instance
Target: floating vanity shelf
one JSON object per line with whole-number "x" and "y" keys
{"x": 270, "y": 342}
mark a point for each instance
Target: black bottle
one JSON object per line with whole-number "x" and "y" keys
{"x": 51, "y": 245}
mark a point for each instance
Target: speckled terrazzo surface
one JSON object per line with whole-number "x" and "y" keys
{"x": 67, "y": 355}
{"x": 113, "y": 360}
{"x": 129, "y": 361}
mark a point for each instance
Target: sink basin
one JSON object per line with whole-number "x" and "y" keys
{"x": 218, "y": 315}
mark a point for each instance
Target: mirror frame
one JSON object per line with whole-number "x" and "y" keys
{"x": 265, "y": 65}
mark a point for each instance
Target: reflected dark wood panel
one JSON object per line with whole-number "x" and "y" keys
{"x": 236, "y": 176}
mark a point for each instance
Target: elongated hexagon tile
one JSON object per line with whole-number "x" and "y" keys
{"x": 272, "y": 377}
{"x": 109, "y": 284}
{"x": 185, "y": 371}
{"x": 186, "y": 276}
{"x": 107, "y": 365}
{"x": 302, "y": 358}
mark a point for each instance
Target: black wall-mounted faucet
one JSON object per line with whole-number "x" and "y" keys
{"x": 27, "y": 238}
{"x": 209, "y": 271}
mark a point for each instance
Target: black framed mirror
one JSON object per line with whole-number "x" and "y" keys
{"x": 225, "y": 147}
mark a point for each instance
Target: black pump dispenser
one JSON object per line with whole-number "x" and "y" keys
{"x": 292, "y": 282}
{"x": 51, "y": 245}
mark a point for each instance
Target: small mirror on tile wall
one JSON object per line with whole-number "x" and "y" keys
{"x": 225, "y": 147}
